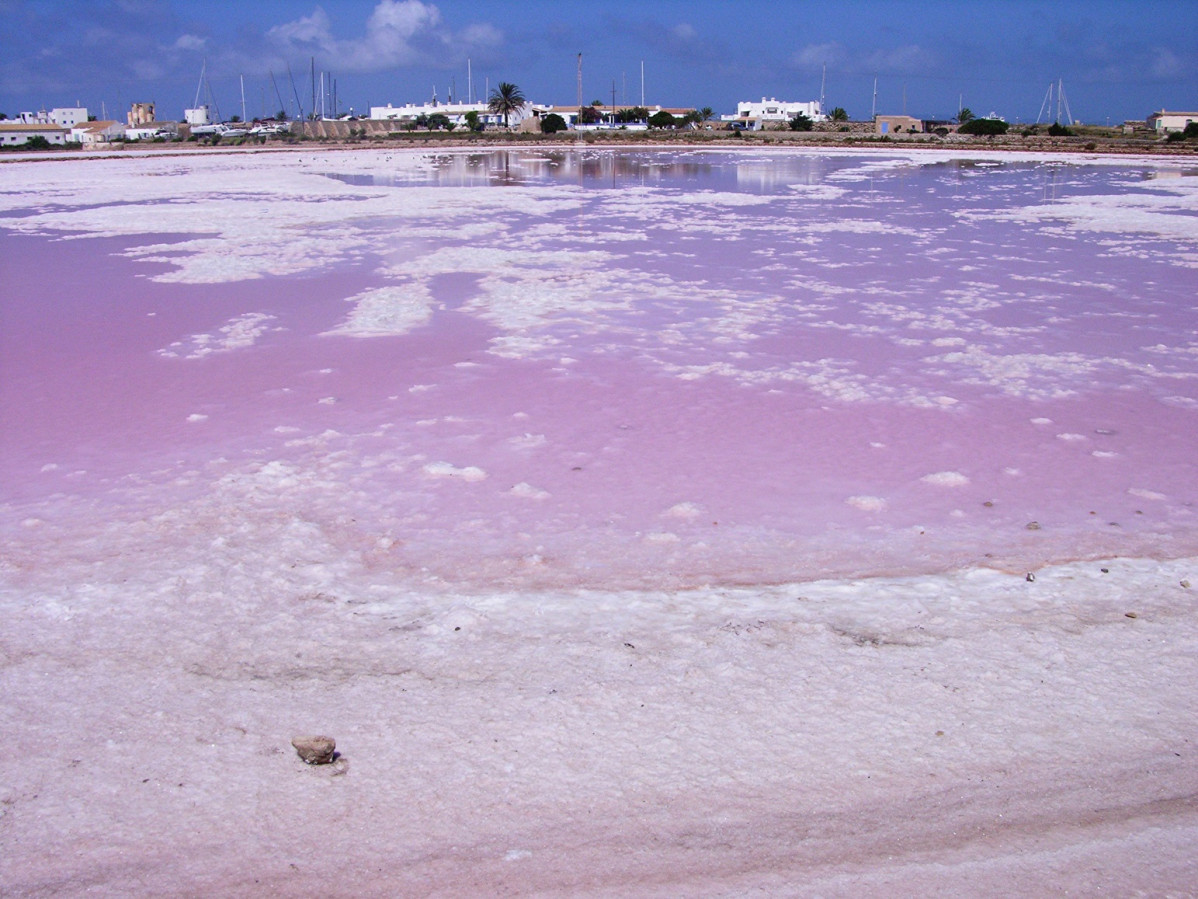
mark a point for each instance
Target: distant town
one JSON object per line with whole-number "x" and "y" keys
{"x": 507, "y": 111}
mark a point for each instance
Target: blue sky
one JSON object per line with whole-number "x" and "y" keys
{"x": 1118, "y": 59}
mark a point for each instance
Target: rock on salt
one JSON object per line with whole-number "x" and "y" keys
{"x": 315, "y": 750}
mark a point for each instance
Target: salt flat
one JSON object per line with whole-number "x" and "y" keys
{"x": 639, "y": 522}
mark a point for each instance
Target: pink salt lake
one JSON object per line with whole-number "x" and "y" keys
{"x": 650, "y": 369}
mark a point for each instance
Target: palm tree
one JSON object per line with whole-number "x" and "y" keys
{"x": 839, "y": 115}
{"x": 964, "y": 115}
{"x": 505, "y": 100}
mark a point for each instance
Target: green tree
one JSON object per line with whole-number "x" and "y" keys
{"x": 1056, "y": 129}
{"x": 553, "y": 123}
{"x": 838, "y": 114}
{"x": 662, "y": 119}
{"x": 472, "y": 121}
{"x": 706, "y": 113}
{"x": 505, "y": 100}
{"x": 965, "y": 115}
{"x": 438, "y": 121}
{"x": 801, "y": 123}
{"x": 632, "y": 114}
{"x": 37, "y": 142}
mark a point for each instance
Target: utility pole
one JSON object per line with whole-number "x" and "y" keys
{"x": 469, "y": 83}
{"x": 580, "y": 84}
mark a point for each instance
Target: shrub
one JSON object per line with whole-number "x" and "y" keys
{"x": 1056, "y": 129}
{"x": 801, "y": 123}
{"x": 662, "y": 119}
{"x": 553, "y": 123}
{"x": 985, "y": 127}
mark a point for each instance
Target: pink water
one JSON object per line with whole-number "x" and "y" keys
{"x": 859, "y": 380}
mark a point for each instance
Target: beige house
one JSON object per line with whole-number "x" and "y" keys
{"x": 1163, "y": 122}
{"x": 894, "y": 124}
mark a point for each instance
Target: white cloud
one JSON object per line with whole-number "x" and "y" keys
{"x": 815, "y": 55}
{"x": 189, "y": 42}
{"x": 398, "y": 32}
{"x": 1167, "y": 65}
{"x": 908, "y": 59}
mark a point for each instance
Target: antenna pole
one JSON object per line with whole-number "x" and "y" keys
{"x": 873, "y": 113}
{"x": 469, "y": 83}
{"x": 243, "y": 98}
{"x": 580, "y": 84}
{"x": 642, "y": 84}
{"x": 823, "y": 82}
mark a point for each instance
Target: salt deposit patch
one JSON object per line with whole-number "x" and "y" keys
{"x": 387, "y": 311}
{"x": 239, "y": 333}
{"x": 525, "y": 490}
{"x": 447, "y": 470}
{"x": 867, "y": 503}
{"x": 945, "y": 479}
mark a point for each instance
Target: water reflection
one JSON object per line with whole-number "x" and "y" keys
{"x": 606, "y": 169}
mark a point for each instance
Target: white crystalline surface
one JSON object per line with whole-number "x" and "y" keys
{"x": 638, "y": 522}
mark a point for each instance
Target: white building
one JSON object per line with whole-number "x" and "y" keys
{"x": 455, "y": 112}
{"x": 1163, "y": 122}
{"x": 756, "y": 115}
{"x": 92, "y": 134}
{"x": 14, "y": 134}
{"x": 153, "y": 130}
{"x": 66, "y": 116}
{"x": 197, "y": 117}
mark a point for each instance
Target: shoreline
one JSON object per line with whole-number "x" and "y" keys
{"x": 1125, "y": 149}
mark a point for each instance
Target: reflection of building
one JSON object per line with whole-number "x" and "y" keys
{"x": 13, "y": 134}
{"x": 1162, "y": 122}
{"x": 140, "y": 114}
{"x": 756, "y": 115}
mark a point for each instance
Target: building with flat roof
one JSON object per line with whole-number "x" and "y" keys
{"x": 455, "y": 112}
{"x": 1163, "y": 122}
{"x": 757, "y": 114}
{"x": 895, "y": 124}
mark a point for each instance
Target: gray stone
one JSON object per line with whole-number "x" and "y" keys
{"x": 315, "y": 750}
